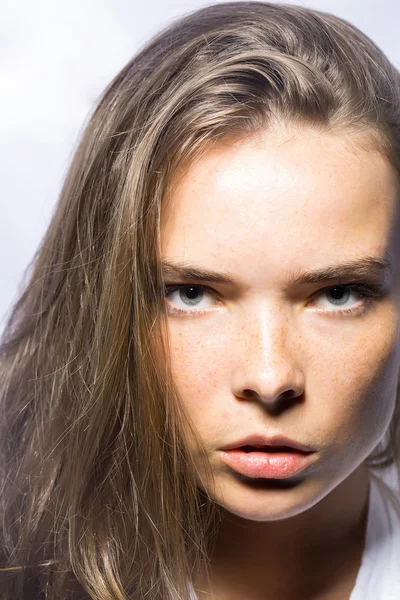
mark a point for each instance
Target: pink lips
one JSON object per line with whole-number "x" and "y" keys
{"x": 260, "y": 441}
{"x": 258, "y": 456}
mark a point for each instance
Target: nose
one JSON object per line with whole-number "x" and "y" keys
{"x": 268, "y": 362}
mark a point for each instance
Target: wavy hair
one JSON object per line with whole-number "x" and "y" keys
{"x": 99, "y": 496}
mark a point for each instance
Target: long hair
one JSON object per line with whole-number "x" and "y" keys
{"x": 99, "y": 496}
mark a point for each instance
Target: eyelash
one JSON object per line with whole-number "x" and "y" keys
{"x": 369, "y": 293}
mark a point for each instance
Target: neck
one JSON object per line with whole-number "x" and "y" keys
{"x": 303, "y": 556}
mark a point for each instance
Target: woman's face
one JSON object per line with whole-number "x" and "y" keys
{"x": 266, "y": 354}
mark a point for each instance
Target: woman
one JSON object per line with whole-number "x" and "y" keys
{"x": 199, "y": 397}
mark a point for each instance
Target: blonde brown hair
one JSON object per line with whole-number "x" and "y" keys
{"x": 98, "y": 493}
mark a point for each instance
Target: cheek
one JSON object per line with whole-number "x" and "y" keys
{"x": 350, "y": 377}
{"x": 200, "y": 364}
{"x": 360, "y": 383}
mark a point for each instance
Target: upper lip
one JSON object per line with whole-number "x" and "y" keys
{"x": 262, "y": 440}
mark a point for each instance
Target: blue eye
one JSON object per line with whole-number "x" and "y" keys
{"x": 341, "y": 294}
{"x": 192, "y": 298}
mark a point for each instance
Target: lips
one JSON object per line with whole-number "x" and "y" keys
{"x": 266, "y": 465}
{"x": 260, "y": 442}
{"x": 266, "y": 449}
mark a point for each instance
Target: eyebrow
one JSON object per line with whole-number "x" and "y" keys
{"x": 369, "y": 266}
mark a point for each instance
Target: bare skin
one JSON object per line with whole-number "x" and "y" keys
{"x": 273, "y": 356}
{"x": 325, "y": 569}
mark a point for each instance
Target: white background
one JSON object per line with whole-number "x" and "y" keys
{"x": 56, "y": 57}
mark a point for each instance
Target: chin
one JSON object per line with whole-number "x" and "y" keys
{"x": 266, "y": 499}
{"x": 263, "y": 513}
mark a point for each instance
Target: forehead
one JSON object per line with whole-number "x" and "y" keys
{"x": 288, "y": 197}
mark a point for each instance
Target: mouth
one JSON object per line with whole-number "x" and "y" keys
{"x": 269, "y": 462}
{"x": 267, "y": 449}
{"x": 262, "y": 443}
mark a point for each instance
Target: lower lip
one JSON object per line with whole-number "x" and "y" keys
{"x": 278, "y": 465}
